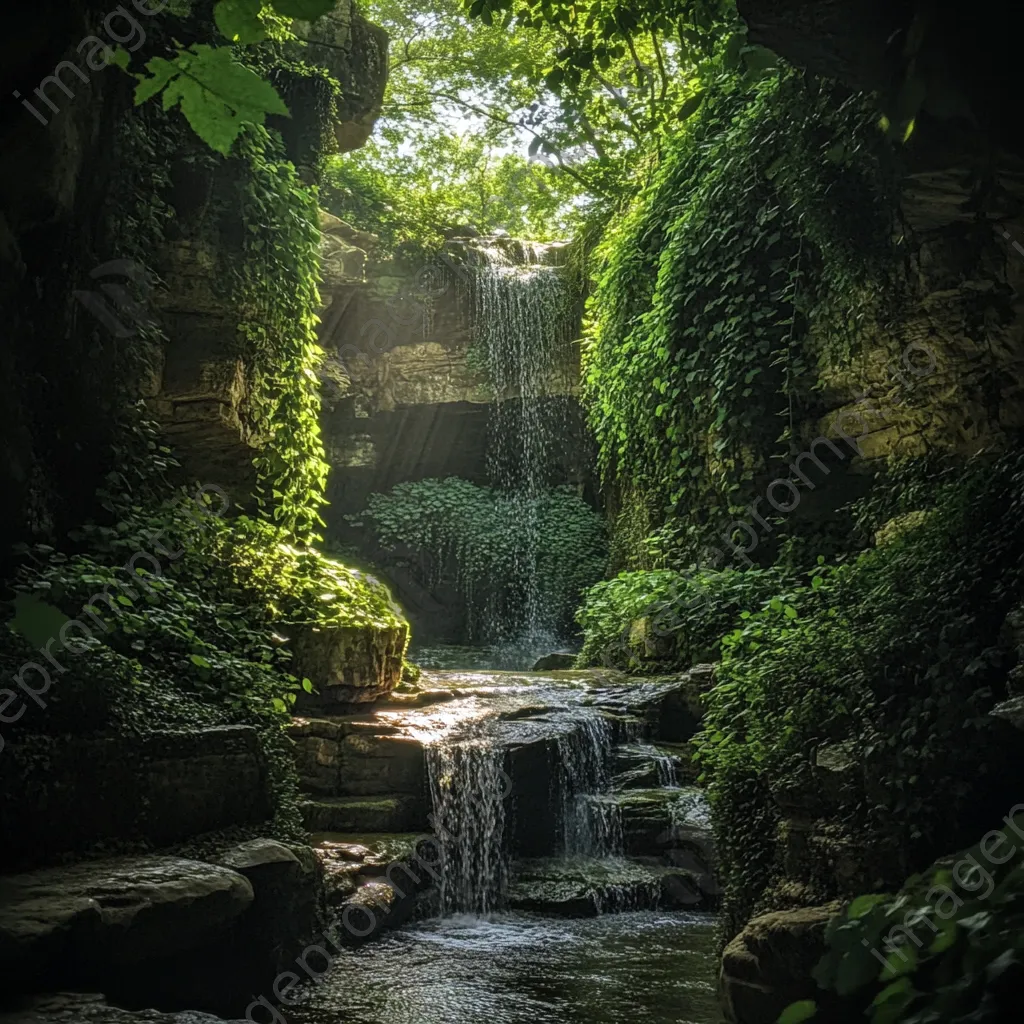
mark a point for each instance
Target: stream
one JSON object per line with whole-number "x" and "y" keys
{"x": 568, "y": 889}
{"x": 651, "y": 967}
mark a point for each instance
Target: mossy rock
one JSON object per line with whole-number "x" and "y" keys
{"x": 395, "y": 813}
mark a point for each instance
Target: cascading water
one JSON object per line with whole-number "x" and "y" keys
{"x": 592, "y": 826}
{"x": 468, "y": 787}
{"x": 522, "y": 315}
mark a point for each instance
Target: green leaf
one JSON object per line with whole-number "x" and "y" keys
{"x": 198, "y": 659}
{"x": 307, "y": 10}
{"x": 799, "y": 1011}
{"x": 863, "y": 904}
{"x": 37, "y": 621}
{"x": 161, "y": 72}
{"x": 239, "y": 20}
{"x": 216, "y": 94}
{"x": 690, "y": 106}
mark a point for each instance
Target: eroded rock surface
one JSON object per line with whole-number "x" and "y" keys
{"x": 89, "y": 918}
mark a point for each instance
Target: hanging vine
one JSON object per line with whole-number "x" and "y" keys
{"x": 763, "y": 239}
{"x": 276, "y": 288}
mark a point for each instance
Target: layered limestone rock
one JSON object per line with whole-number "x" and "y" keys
{"x": 200, "y": 390}
{"x": 63, "y": 796}
{"x": 947, "y": 373}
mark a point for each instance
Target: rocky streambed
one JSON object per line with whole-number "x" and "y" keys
{"x": 472, "y": 818}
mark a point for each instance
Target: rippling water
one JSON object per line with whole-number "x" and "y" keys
{"x": 655, "y": 968}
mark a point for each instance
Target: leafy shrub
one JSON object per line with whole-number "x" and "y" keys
{"x": 503, "y": 550}
{"x": 896, "y": 653}
{"x": 662, "y": 620}
{"x": 948, "y": 947}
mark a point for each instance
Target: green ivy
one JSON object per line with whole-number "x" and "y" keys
{"x": 662, "y": 620}
{"x": 276, "y": 290}
{"x": 495, "y": 546}
{"x": 897, "y": 654}
{"x": 763, "y": 239}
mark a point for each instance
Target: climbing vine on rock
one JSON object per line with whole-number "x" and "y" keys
{"x": 276, "y": 288}
{"x": 894, "y": 659}
{"x": 753, "y": 248}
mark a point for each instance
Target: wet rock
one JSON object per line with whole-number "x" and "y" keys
{"x": 75, "y": 1008}
{"x": 656, "y": 821}
{"x": 391, "y": 813}
{"x": 350, "y": 860}
{"x": 643, "y": 766}
{"x": 102, "y": 916}
{"x": 769, "y": 964}
{"x": 590, "y": 888}
{"x": 555, "y": 661}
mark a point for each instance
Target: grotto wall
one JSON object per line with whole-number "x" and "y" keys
{"x": 406, "y": 391}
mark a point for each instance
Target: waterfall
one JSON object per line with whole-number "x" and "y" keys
{"x": 468, "y": 787}
{"x": 521, "y": 312}
{"x": 592, "y": 826}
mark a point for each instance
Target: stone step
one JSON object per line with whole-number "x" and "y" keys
{"x": 397, "y": 812}
{"x": 646, "y": 766}
{"x": 664, "y": 822}
{"x": 357, "y": 756}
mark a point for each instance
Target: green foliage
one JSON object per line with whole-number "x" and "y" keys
{"x": 276, "y": 289}
{"x": 664, "y": 620}
{"x": 896, "y": 653}
{"x": 217, "y": 94}
{"x": 253, "y": 563}
{"x": 769, "y": 218}
{"x": 413, "y": 198}
{"x": 948, "y": 947}
{"x": 495, "y": 546}
{"x": 167, "y": 615}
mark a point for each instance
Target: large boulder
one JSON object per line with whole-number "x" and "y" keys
{"x": 84, "y": 923}
{"x": 769, "y": 964}
{"x": 350, "y": 665}
{"x": 287, "y": 883}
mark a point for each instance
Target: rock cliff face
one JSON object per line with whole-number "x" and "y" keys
{"x": 406, "y": 390}
{"x": 947, "y": 372}
{"x": 66, "y": 369}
